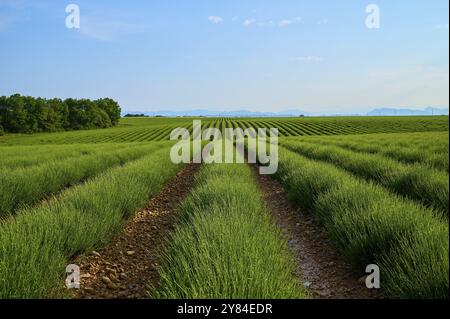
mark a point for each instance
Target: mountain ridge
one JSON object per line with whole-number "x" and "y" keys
{"x": 384, "y": 111}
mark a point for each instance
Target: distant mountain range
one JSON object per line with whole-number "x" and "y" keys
{"x": 404, "y": 112}
{"x": 208, "y": 113}
{"x": 292, "y": 113}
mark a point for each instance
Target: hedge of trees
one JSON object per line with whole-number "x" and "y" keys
{"x": 25, "y": 114}
{"x": 135, "y": 115}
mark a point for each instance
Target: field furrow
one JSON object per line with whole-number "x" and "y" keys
{"x": 416, "y": 182}
{"x": 409, "y": 154}
{"x": 26, "y": 186}
{"x": 37, "y": 244}
{"x": 226, "y": 244}
{"x": 370, "y": 225}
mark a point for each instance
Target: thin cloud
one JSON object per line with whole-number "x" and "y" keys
{"x": 249, "y": 22}
{"x": 309, "y": 58}
{"x": 286, "y": 22}
{"x": 322, "y": 22}
{"x": 260, "y": 24}
{"x": 265, "y": 24}
{"x": 270, "y": 23}
{"x": 215, "y": 19}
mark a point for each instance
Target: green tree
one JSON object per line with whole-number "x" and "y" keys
{"x": 25, "y": 114}
{"x": 77, "y": 114}
{"x": 59, "y": 114}
{"x": 98, "y": 117}
{"x": 32, "y": 108}
{"x": 111, "y": 108}
{"x": 3, "y": 104}
{"x": 15, "y": 116}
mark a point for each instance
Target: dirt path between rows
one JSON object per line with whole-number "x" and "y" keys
{"x": 125, "y": 268}
{"x": 321, "y": 267}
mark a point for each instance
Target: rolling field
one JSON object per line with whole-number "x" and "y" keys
{"x": 158, "y": 129}
{"x": 377, "y": 186}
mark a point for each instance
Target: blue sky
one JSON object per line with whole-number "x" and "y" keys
{"x": 260, "y": 55}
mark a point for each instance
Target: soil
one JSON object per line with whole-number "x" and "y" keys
{"x": 321, "y": 267}
{"x": 127, "y": 266}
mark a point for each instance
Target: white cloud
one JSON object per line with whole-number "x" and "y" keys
{"x": 260, "y": 24}
{"x": 270, "y": 23}
{"x": 309, "y": 58}
{"x": 215, "y": 19}
{"x": 322, "y": 22}
{"x": 286, "y": 22}
{"x": 249, "y": 22}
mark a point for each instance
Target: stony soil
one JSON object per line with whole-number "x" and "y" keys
{"x": 125, "y": 268}
{"x": 322, "y": 268}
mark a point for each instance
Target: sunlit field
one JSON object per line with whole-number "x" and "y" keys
{"x": 377, "y": 186}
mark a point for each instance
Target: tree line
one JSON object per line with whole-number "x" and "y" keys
{"x": 26, "y": 114}
{"x": 135, "y": 115}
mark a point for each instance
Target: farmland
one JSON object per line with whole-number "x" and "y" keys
{"x": 377, "y": 186}
{"x": 158, "y": 129}
{"x": 219, "y": 218}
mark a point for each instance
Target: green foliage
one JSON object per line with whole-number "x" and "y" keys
{"x": 224, "y": 233}
{"x": 24, "y": 114}
{"x": 226, "y": 244}
{"x": 371, "y": 225}
{"x": 418, "y": 267}
{"x": 111, "y": 108}
{"x": 38, "y": 243}
{"x": 135, "y": 115}
{"x": 414, "y": 181}
{"x": 22, "y": 186}
{"x": 144, "y": 129}
{"x": 411, "y": 148}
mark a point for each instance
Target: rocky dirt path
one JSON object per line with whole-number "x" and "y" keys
{"x": 125, "y": 268}
{"x": 321, "y": 267}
